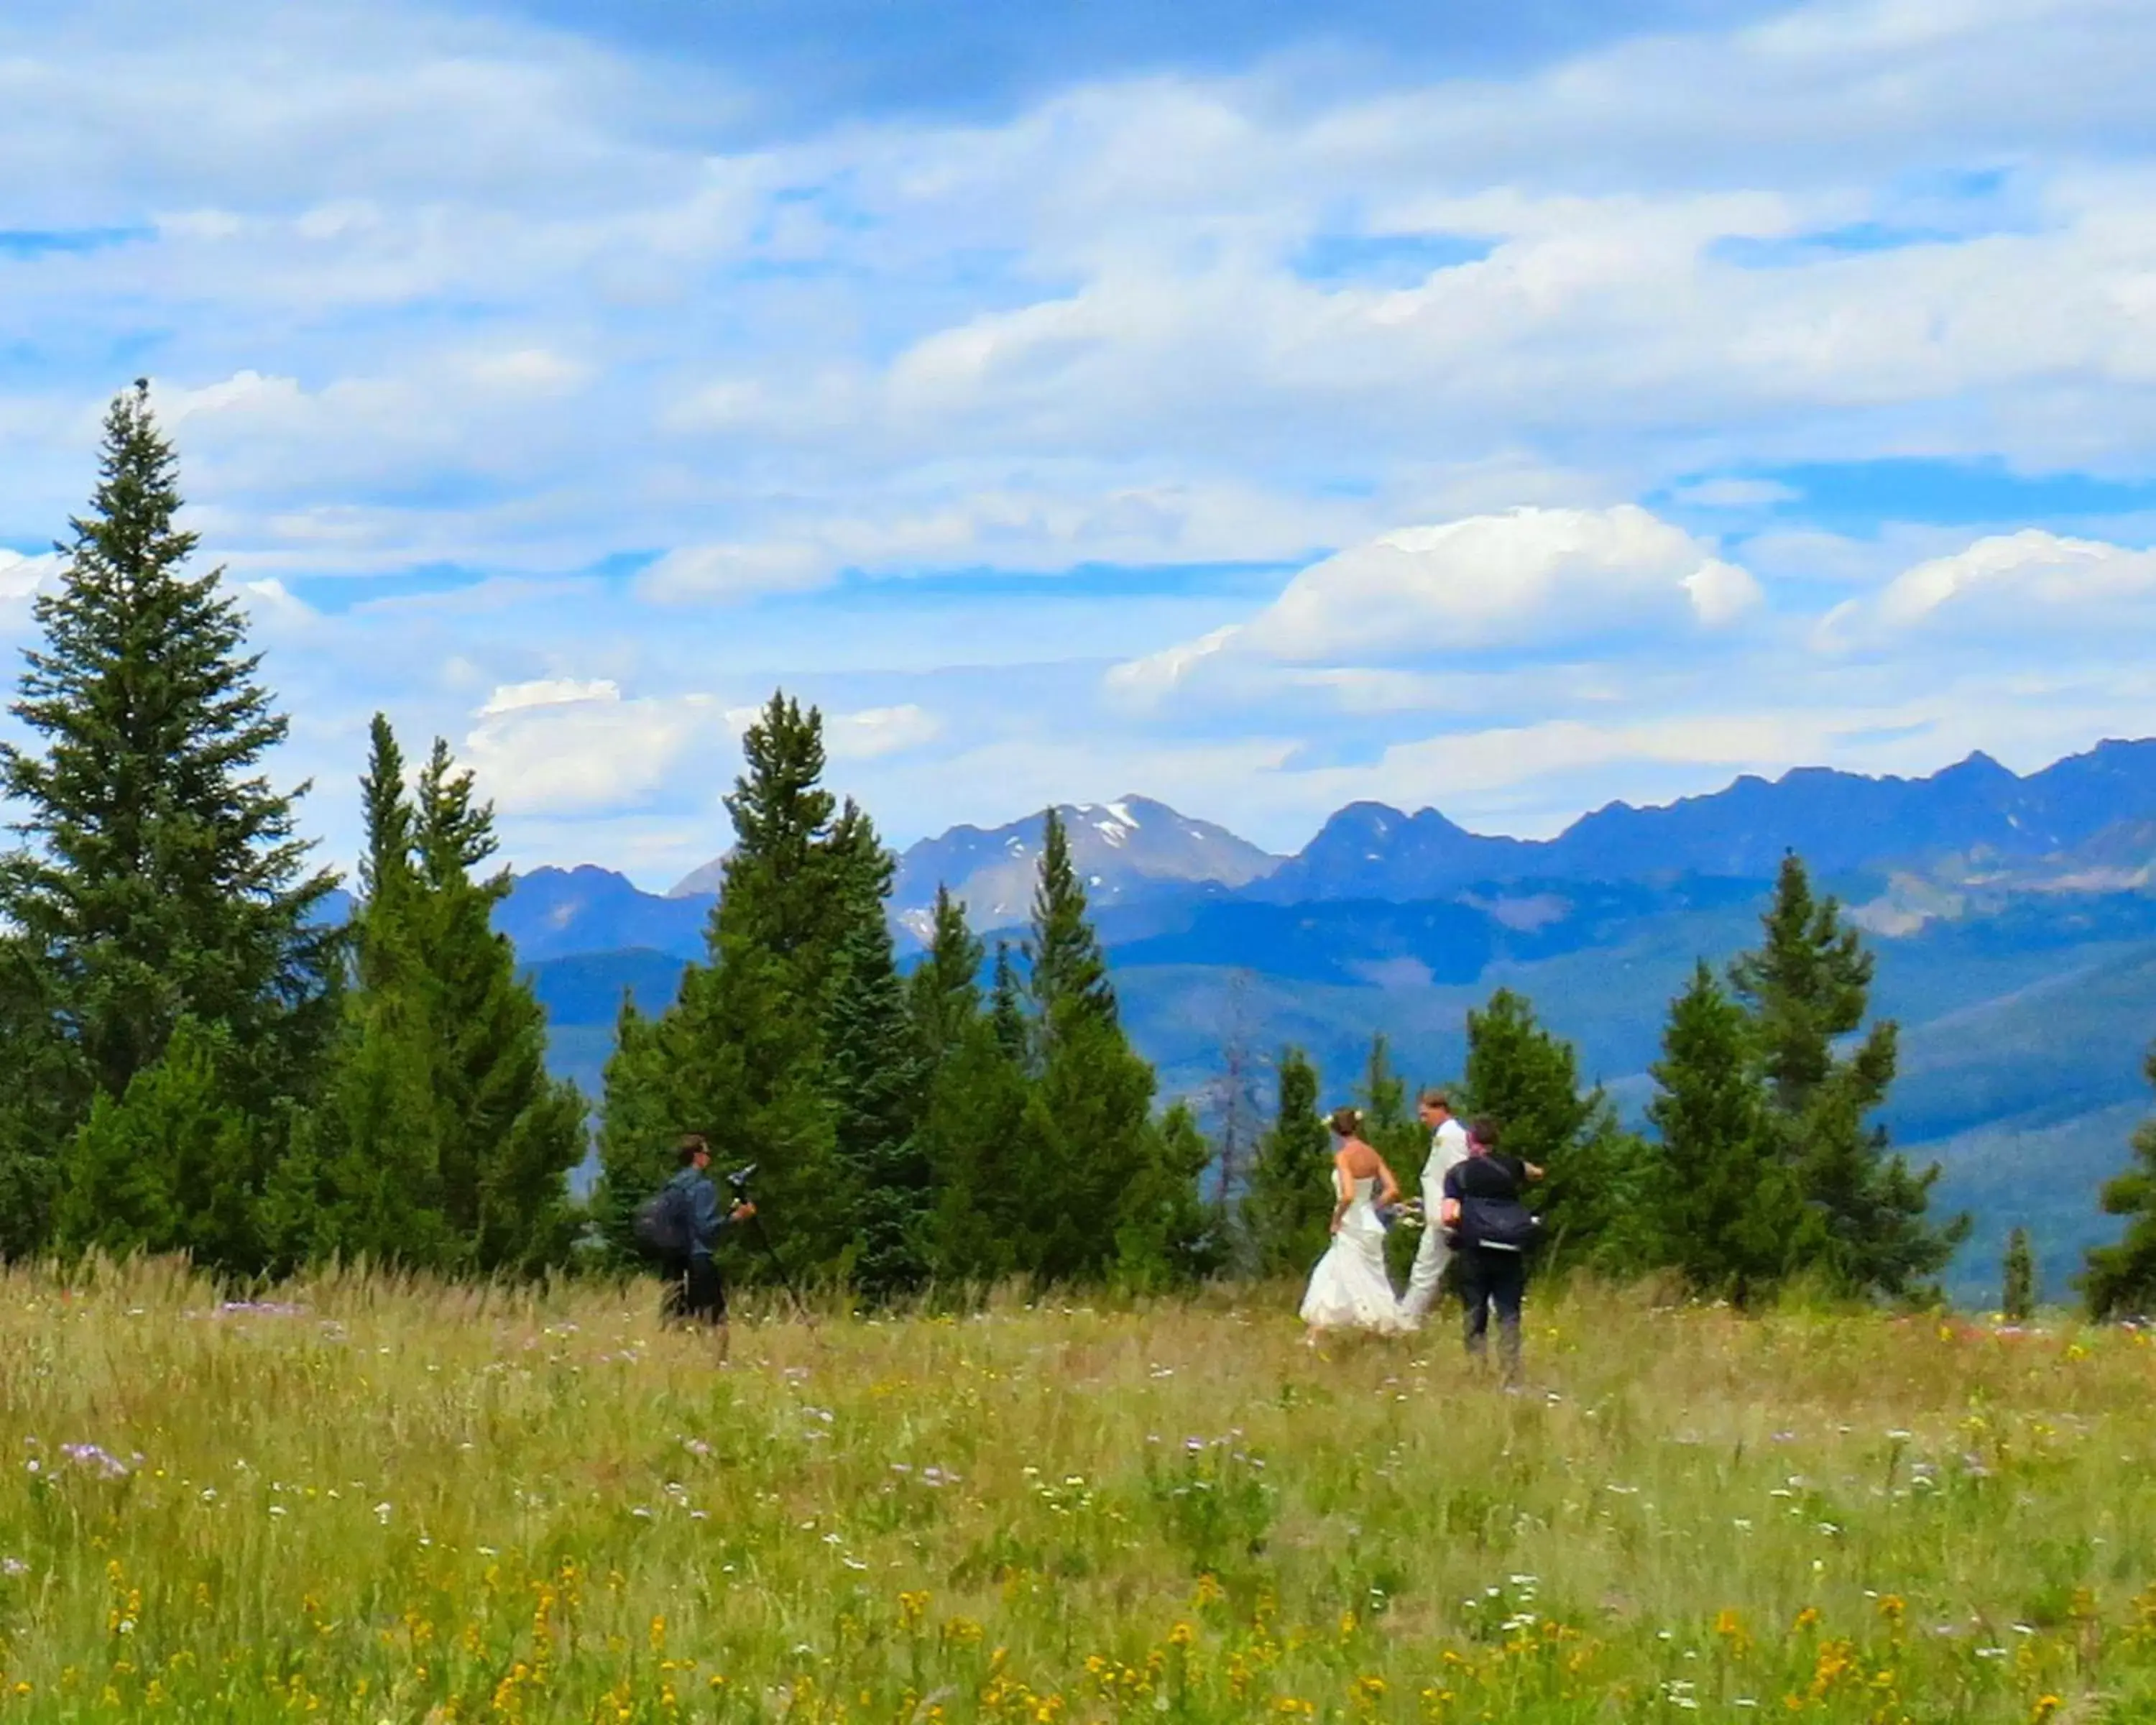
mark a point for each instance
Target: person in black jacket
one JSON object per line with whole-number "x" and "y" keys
{"x": 695, "y": 1294}
{"x": 1484, "y": 1210}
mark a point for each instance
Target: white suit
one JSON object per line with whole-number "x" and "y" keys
{"x": 1448, "y": 1145}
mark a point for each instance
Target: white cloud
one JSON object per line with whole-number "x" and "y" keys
{"x": 875, "y": 732}
{"x": 2020, "y": 581}
{"x": 1529, "y": 579}
{"x": 23, "y": 577}
{"x": 558, "y": 746}
{"x": 548, "y": 691}
{"x": 724, "y": 574}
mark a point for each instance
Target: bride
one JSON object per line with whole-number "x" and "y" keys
{"x": 1350, "y": 1289}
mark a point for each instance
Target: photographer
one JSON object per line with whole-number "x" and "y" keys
{"x": 696, "y": 1295}
{"x": 1493, "y": 1232}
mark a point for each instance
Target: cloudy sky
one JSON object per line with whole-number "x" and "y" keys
{"x": 1474, "y": 404}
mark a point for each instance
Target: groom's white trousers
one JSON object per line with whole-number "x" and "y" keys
{"x": 1431, "y": 1256}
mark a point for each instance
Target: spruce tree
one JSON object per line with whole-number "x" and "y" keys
{"x": 1290, "y": 1200}
{"x": 362, "y": 1180}
{"x": 2017, "y": 1294}
{"x": 742, "y": 1055}
{"x": 1719, "y": 1207}
{"x": 2119, "y": 1280}
{"x": 1526, "y": 1080}
{"x": 974, "y": 1093}
{"x": 154, "y": 1168}
{"x": 1167, "y": 1237}
{"x": 1067, "y": 969}
{"x": 1007, "y": 1008}
{"x": 512, "y": 1131}
{"x": 442, "y": 1142}
{"x": 944, "y": 994}
{"x": 1808, "y": 986}
{"x": 877, "y": 1074}
{"x": 162, "y": 879}
{"x": 1087, "y": 1143}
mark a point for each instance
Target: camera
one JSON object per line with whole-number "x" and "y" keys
{"x": 738, "y": 1181}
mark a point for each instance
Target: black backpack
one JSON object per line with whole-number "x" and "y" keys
{"x": 663, "y": 1224}
{"x": 1504, "y": 1222}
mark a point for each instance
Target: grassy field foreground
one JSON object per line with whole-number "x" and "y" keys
{"x": 375, "y": 1503}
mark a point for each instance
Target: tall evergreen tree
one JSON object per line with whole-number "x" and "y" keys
{"x": 877, "y": 1071}
{"x": 1086, "y": 1139}
{"x": 2119, "y": 1280}
{"x": 974, "y": 1093}
{"x": 743, "y": 1054}
{"x": 1528, "y": 1080}
{"x": 1290, "y": 1200}
{"x": 443, "y": 1141}
{"x": 362, "y": 1179}
{"x": 1719, "y": 1207}
{"x": 943, "y": 993}
{"x": 161, "y": 878}
{"x": 513, "y": 1130}
{"x": 1807, "y": 986}
{"x": 1068, "y": 970}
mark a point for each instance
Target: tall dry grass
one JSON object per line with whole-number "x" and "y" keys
{"x": 382, "y": 1501}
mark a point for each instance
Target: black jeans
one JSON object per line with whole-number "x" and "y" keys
{"x": 695, "y": 1294}
{"x": 1489, "y": 1277}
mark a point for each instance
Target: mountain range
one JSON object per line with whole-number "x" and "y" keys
{"x": 2012, "y": 916}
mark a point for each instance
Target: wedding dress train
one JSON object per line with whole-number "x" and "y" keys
{"x": 1351, "y": 1288}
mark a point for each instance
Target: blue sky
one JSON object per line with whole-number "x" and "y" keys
{"x": 1508, "y": 408}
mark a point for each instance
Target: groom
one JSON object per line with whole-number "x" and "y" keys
{"x": 1448, "y": 1144}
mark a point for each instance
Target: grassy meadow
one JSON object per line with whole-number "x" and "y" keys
{"x": 379, "y": 1502}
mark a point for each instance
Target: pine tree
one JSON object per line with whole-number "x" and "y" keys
{"x": 163, "y": 879}
{"x": 1086, "y": 1142}
{"x": 1007, "y": 1009}
{"x": 1719, "y": 1207}
{"x": 1069, "y": 973}
{"x": 974, "y": 1094}
{"x": 2017, "y": 1300}
{"x": 363, "y": 1177}
{"x": 944, "y": 994}
{"x": 512, "y": 1131}
{"x": 876, "y": 1076}
{"x": 1807, "y": 986}
{"x": 2119, "y": 1280}
{"x": 1290, "y": 1200}
{"x": 1167, "y": 1236}
{"x": 170, "y": 1165}
{"x": 442, "y": 1143}
{"x": 1527, "y": 1081}
{"x": 742, "y": 1055}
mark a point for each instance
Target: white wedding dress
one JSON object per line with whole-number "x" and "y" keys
{"x": 1351, "y": 1289}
